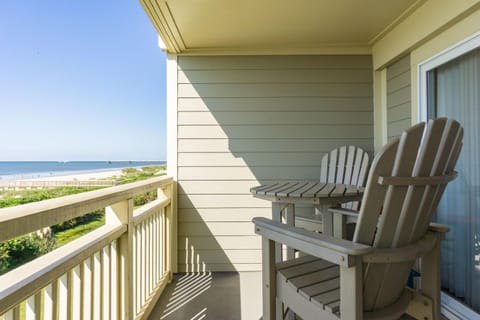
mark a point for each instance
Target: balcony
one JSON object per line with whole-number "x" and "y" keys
{"x": 118, "y": 271}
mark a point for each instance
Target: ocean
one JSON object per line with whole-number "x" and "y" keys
{"x": 14, "y": 170}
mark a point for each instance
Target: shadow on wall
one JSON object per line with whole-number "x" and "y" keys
{"x": 246, "y": 120}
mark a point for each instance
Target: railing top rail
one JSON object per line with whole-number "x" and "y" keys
{"x": 23, "y": 219}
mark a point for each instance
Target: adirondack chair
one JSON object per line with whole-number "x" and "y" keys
{"x": 347, "y": 165}
{"x": 365, "y": 278}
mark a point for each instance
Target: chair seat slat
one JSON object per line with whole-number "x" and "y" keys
{"x": 263, "y": 189}
{"x": 326, "y": 298}
{"x": 313, "y": 277}
{"x": 339, "y": 191}
{"x": 327, "y": 190}
{"x": 303, "y": 269}
{"x": 315, "y": 190}
{"x": 292, "y": 189}
{"x": 275, "y": 191}
{"x": 306, "y": 188}
{"x": 320, "y": 287}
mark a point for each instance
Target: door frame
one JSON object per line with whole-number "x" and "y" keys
{"x": 455, "y": 51}
{"x": 451, "y": 307}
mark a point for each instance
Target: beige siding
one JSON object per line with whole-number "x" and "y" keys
{"x": 252, "y": 119}
{"x": 399, "y": 91}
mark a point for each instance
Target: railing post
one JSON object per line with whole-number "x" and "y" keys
{"x": 170, "y": 237}
{"x": 122, "y": 213}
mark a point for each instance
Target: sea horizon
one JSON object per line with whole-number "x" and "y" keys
{"x": 31, "y": 169}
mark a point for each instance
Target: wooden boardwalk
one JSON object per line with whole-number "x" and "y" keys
{"x": 41, "y": 184}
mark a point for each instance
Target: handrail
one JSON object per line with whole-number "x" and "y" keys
{"x": 19, "y": 220}
{"x": 117, "y": 271}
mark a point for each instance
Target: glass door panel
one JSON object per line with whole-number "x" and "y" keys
{"x": 453, "y": 91}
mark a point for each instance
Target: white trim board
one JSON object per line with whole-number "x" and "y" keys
{"x": 172, "y": 145}
{"x": 455, "y": 51}
{"x": 172, "y": 110}
{"x": 455, "y": 310}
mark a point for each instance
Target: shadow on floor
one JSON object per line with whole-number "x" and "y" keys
{"x": 218, "y": 295}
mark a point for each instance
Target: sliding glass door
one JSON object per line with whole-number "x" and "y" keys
{"x": 453, "y": 90}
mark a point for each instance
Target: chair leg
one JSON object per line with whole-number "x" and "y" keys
{"x": 431, "y": 278}
{"x": 339, "y": 226}
{"x": 290, "y": 215}
{"x": 351, "y": 291}
{"x": 270, "y": 304}
{"x": 327, "y": 220}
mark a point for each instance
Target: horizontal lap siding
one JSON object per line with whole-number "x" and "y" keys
{"x": 247, "y": 120}
{"x": 398, "y": 97}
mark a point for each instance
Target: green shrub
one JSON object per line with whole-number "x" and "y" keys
{"x": 89, "y": 217}
{"x": 142, "y": 199}
{"x": 18, "y": 251}
{"x": 129, "y": 171}
{"x": 13, "y": 198}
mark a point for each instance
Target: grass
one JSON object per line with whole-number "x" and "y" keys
{"x": 12, "y": 198}
{"x": 64, "y": 237}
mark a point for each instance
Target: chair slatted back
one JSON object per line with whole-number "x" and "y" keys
{"x": 346, "y": 165}
{"x": 397, "y": 213}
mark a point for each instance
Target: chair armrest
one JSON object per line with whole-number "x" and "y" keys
{"x": 338, "y": 251}
{"x": 344, "y": 211}
{"x": 437, "y": 227}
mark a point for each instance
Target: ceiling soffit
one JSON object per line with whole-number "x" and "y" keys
{"x": 274, "y": 27}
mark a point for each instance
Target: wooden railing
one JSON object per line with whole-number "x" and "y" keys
{"x": 117, "y": 271}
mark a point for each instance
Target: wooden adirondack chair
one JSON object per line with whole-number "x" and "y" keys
{"x": 365, "y": 278}
{"x": 346, "y": 165}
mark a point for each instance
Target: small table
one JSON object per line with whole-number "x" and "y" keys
{"x": 284, "y": 196}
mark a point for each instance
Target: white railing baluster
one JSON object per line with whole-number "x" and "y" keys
{"x": 105, "y": 254}
{"x": 8, "y": 315}
{"x": 163, "y": 235}
{"x": 139, "y": 269}
{"x": 97, "y": 287}
{"x": 30, "y": 308}
{"x": 62, "y": 297}
{"x": 145, "y": 259}
{"x": 168, "y": 239}
{"x": 48, "y": 302}
{"x": 75, "y": 294}
{"x": 86, "y": 274}
{"x": 113, "y": 281}
{"x": 155, "y": 251}
{"x": 148, "y": 257}
{"x": 136, "y": 262}
{"x": 135, "y": 270}
{"x": 144, "y": 265}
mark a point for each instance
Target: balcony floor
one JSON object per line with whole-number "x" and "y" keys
{"x": 217, "y": 295}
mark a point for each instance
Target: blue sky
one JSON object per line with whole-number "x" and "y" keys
{"x": 80, "y": 80}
